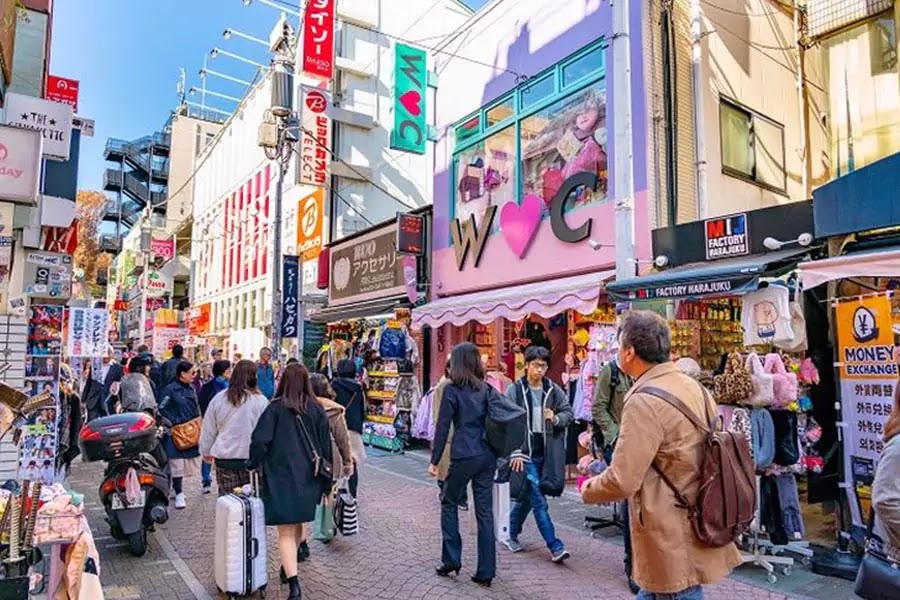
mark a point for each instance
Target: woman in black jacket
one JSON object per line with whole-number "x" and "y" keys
{"x": 290, "y": 431}
{"x": 464, "y": 404}
{"x": 352, "y": 397}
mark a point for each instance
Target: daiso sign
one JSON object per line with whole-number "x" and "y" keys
{"x": 20, "y": 164}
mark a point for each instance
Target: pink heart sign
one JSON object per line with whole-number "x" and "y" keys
{"x": 410, "y": 101}
{"x": 520, "y": 222}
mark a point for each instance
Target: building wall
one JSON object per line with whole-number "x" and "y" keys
{"x": 403, "y": 175}
{"x": 7, "y": 43}
{"x": 750, "y": 57}
{"x": 521, "y": 39}
{"x": 31, "y": 54}
{"x": 189, "y": 137}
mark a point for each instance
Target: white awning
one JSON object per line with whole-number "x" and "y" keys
{"x": 871, "y": 263}
{"x": 545, "y": 298}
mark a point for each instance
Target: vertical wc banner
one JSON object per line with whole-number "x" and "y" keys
{"x": 868, "y": 373}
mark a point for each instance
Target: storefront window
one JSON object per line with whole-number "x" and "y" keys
{"x": 486, "y": 175}
{"x": 564, "y": 139}
{"x": 583, "y": 66}
{"x": 500, "y": 112}
{"x": 861, "y": 72}
{"x": 537, "y": 91}
{"x": 468, "y": 130}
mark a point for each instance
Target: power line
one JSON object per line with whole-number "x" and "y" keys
{"x": 737, "y": 12}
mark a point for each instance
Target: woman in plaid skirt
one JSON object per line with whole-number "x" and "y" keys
{"x": 228, "y": 425}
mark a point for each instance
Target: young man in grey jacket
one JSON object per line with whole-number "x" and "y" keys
{"x": 540, "y": 464}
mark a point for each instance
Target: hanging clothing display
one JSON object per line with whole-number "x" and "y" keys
{"x": 766, "y": 316}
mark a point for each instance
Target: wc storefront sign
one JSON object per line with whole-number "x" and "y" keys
{"x": 520, "y": 223}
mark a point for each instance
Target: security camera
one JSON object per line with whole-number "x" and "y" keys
{"x": 805, "y": 239}
{"x": 661, "y": 261}
{"x": 595, "y": 245}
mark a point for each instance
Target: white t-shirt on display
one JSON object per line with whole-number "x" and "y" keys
{"x": 766, "y": 317}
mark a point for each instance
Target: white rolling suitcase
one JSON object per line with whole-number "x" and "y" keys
{"x": 502, "y": 507}
{"x": 240, "y": 547}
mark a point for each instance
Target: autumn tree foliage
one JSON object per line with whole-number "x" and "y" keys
{"x": 89, "y": 209}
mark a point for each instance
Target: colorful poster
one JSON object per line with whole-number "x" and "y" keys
{"x": 318, "y": 38}
{"x": 868, "y": 374}
{"x": 88, "y": 332}
{"x": 410, "y": 91}
{"x": 37, "y": 455}
{"x": 165, "y": 339}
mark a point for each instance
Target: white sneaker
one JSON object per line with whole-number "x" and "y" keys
{"x": 180, "y": 501}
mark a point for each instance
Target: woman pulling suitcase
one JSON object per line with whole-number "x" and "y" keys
{"x": 292, "y": 446}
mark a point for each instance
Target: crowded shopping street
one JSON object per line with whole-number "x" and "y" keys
{"x": 501, "y": 299}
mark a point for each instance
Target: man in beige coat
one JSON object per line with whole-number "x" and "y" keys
{"x": 668, "y": 558}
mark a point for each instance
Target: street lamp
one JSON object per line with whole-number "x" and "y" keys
{"x": 233, "y": 32}
{"x": 215, "y": 52}
{"x": 279, "y": 147}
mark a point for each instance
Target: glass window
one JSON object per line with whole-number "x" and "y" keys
{"x": 752, "y": 146}
{"x": 537, "y": 91}
{"x": 883, "y": 45}
{"x": 737, "y": 155}
{"x": 486, "y": 175}
{"x": 583, "y": 66}
{"x": 468, "y": 130}
{"x": 499, "y": 112}
{"x": 564, "y": 139}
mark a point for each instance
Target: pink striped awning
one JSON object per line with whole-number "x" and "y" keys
{"x": 545, "y": 298}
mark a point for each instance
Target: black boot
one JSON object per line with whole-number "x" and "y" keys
{"x": 294, "y": 589}
{"x": 302, "y": 551}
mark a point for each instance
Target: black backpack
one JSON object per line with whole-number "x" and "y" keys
{"x": 505, "y": 424}
{"x": 615, "y": 377}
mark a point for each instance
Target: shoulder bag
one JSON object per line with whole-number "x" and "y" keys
{"x": 878, "y": 577}
{"x": 187, "y": 435}
{"x": 322, "y": 468}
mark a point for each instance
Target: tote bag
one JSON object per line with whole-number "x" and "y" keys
{"x": 763, "y": 393}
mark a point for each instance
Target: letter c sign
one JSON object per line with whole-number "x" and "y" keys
{"x": 558, "y": 223}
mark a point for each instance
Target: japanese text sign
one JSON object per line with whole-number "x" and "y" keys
{"x": 62, "y": 90}
{"x": 52, "y": 119}
{"x": 290, "y": 306}
{"x": 310, "y": 215}
{"x": 315, "y": 141}
{"x": 366, "y": 268}
{"x": 410, "y": 86}
{"x": 318, "y": 38}
{"x": 88, "y": 333}
{"x": 198, "y": 319}
{"x": 868, "y": 374}
{"x": 410, "y": 234}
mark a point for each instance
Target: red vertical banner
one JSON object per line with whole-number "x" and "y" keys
{"x": 267, "y": 180}
{"x": 248, "y": 234}
{"x": 233, "y": 246}
{"x": 225, "y": 239}
{"x": 257, "y": 235}
{"x": 318, "y": 38}
{"x": 239, "y": 251}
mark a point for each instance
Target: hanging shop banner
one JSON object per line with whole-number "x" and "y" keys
{"x": 48, "y": 275}
{"x": 163, "y": 248}
{"x": 155, "y": 283}
{"x": 51, "y": 119}
{"x": 43, "y": 353}
{"x": 318, "y": 38}
{"x": 165, "y": 339}
{"x": 290, "y": 305}
{"x": 198, "y": 319}
{"x": 315, "y": 140}
{"x": 62, "y": 90}
{"x": 410, "y": 84}
{"x": 310, "y": 217}
{"x": 868, "y": 374}
{"x": 20, "y": 165}
{"x": 366, "y": 268}
{"x": 727, "y": 237}
{"x": 87, "y": 334}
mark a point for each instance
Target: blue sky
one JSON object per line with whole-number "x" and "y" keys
{"x": 127, "y": 55}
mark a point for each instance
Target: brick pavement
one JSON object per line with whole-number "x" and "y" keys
{"x": 393, "y": 557}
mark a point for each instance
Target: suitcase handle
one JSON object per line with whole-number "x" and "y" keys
{"x": 254, "y": 547}
{"x": 254, "y": 483}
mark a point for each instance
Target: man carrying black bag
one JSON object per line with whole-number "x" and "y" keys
{"x": 540, "y": 464}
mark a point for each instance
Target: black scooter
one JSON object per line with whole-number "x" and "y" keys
{"x": 130, "y": 441}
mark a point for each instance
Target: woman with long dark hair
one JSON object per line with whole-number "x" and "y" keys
{"x": 228, "y": 423}
{"x": 464, "y": 405}
{"x": 351, "y": 395}
{"x": 290, "y": 444}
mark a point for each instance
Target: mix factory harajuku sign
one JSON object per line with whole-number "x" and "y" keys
{"x": 315, "y": 141}
{"x": 868, "y": 374}
{"x": 51, "y": 119}
{"x": 727, "y": 237}
{"x": 410, "y": 86}
{"x": 318, "y": 38}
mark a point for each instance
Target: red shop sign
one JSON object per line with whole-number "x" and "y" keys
{"x": 318, "y": 38}
{"x": 62, "y": 90}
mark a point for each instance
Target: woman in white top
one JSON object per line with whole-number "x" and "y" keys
{"x": 228, "y": 424}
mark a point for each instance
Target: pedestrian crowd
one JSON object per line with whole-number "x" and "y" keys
{"x": 302, "y": 432}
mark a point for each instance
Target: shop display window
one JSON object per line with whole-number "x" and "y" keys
{"x": 486, "y": 175}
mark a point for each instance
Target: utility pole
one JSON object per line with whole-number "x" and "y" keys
{"x": 623, "y": 161}
{"x": 146, "y": 234}
{"x": 698, "y": 89}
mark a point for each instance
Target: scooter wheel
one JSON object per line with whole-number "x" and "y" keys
{"x": 137, "y": 543}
